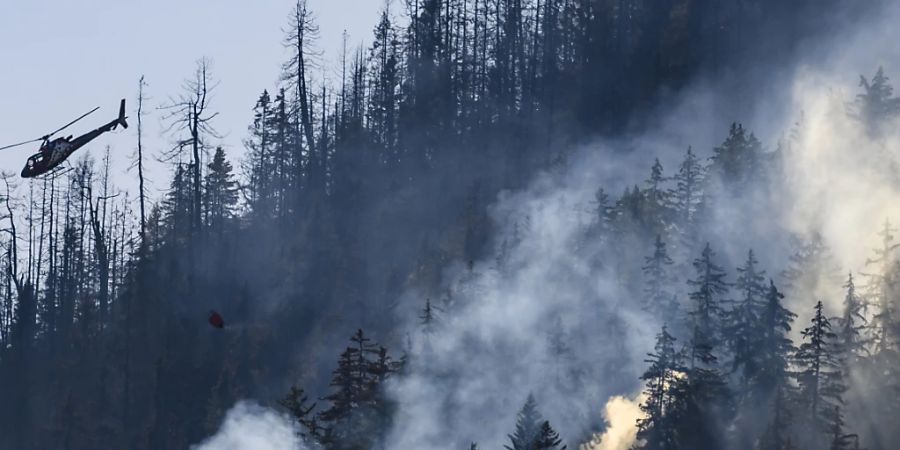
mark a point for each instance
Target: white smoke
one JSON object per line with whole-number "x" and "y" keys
{"x": 543, "y": 316}
{"x": 622, "y": 414}
{"x": 547, "y": 274}
{"x": 249, "y": 426}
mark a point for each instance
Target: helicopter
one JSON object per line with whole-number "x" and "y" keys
{"x": 53, "y": 153}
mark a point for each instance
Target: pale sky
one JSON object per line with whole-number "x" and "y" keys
{"x": 61, "y": 58}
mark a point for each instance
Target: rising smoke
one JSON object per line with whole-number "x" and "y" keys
{"x": 549, "y": 312}
{"x": 249, "y": 426}
{"x": 549, "y": 274}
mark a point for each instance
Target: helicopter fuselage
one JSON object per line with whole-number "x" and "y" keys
{"x": 53, "y": 153}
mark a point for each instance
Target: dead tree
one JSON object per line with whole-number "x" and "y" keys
{"x": 190, "y": 114}
{"x": 301, "y": 34}
{"x": 140, "y": 152}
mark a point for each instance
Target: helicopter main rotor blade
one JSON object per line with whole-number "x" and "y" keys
{"x": 70, "y": 123}
{"x": 21, "y": 143}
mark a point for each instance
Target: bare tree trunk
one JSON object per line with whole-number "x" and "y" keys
{"x": 140, "y": 154}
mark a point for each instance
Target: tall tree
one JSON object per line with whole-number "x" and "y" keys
{"x": 819, "y": 378}
{"x": 876, "y": 104}
{"x": 657, "y": 277}
{"x": 190, "y": 113}
{"x": 743, "y": 329}
{"x": 688, "y": 191}
{"x": 885, "y": 335}
{"x": 528, "y": 426}
{"x": 851, "y": 326}
{"x": 664, "y": 391}
{"x": 220, "y": 192}
{"x": 302, "y": 32}
{"x": 708, "y": 398}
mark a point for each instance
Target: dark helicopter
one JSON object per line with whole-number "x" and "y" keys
{"x": 53, "y": 153}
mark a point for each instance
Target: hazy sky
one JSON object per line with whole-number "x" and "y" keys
{"x": 60, "y": 58}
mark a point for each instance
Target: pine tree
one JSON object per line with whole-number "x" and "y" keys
{"x": 776, "y": 346}
{"x": 220, "y": 192}
{"x": 260, "y": 165}
{"x": 820, "y": 379}
{"x": 657, "y": 275}
{"x": 177, "y": 206}
{"x": 812, "y": 271}
{"x": 528, "y": 426}
{"x": 358, "y": 414}
{"x": 771, "y": 390}
{"x": 885, "y": 335}
{"x": 706, "y": 314}
{"x": 708, "y": 402}
{"x": 876, "y": 104}
{"x": 296, "y": 404}
{"x": 743, "y": 325}
{"x": 547, "y": 438}
{"x": 686, "y": 196}
{"x": 655, "y": 194}
{"x": 739, "y": 159}
{"x": 840, "y": 440}
{"x": 851, "y": 327}
{"x": 664, "y": 391}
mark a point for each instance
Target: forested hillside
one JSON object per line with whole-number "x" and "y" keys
{"x": 408, "y": 257}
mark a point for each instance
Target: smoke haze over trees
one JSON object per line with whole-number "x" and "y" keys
{"x": 503, "y": 224}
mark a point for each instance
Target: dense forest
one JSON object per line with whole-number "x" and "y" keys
{"x": 429, "y": 253}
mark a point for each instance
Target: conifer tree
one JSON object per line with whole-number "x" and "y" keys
{"x": 358, "y": 413}
{"x": 708, "y": 404}
{"x": 528, "y": 426}
{"x": 811, "y": 271}
{"x": 547, "y": 438}
{"x": 884, "y": 333}
{"x": 876, "y": 104}
{"x": 657, "y": 276}
{"x": 664, "y": 391}
{"x": 770, "y": 391}
{"x": 851, "y": 326}
{"x": 687, "y": 194}
{"x": 739, "y": 159}
{"x": 743, "y": 325}
{"x": 220, "y": 192}
{"x": 820, "y": 380}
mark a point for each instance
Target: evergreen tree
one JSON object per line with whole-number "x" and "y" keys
{"x": 655, "y": 194}
{"x": 177, "y": 206}
{"x": 665, "y": 396}
{"x": 708, "y": 404}
{"x": 744, "y": 324}
{"x": 819, "y": 378}
{"x": 771, "y": 392}
{"x": 885, "y": 335}
{"x": 547, "y": 438}
{"x": 528, "y": 427}
{"x": 876, "y": 104}
{"x": 840, "y": 440}
{"x": 296, "y": 404}
{"x": 259, "y": 166}
{"x": 709, "y": 287}
{"x": 852, "y": 324}
{"x": 358, "y": 413}
{"x": 220, "y": 192}
{"x": 657, "y": 276}
{"x": 812, "y": 271}
{"x": 739, "y": 159}
{"x": 687, "y": 194}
